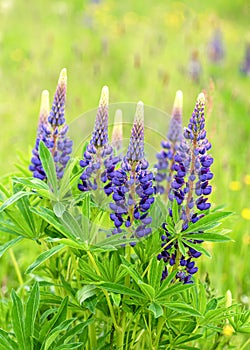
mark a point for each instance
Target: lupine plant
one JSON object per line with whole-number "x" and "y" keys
{"x": 122, "y": 275}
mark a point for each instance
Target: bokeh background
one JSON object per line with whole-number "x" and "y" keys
{"x": 142, "y": 50}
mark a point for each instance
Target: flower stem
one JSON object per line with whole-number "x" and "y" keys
{"x": 16, "y": 267}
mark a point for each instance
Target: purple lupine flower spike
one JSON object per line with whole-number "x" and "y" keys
{"x": 132, "y": 186}
{"x": 245, "y": 65}
{"x": 170, "y": 146}
{"x": 216, "y": 51}
{"x": 98, "y": 162}
{"x": 52, "y": 131}
{"x": 190, "y": 188}
{"x": 117, "y": 134}
{"x": 44, "y": 134}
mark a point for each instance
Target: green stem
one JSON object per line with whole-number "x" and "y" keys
{"x": 244, "y": 345}
{"x": 16, "y": 267}
{"x": 92, "y": 336}
{"x": 160, "y": 325}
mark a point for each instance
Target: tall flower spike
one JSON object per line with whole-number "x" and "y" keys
{"x": 43, "y": 134}
{"x": 132, "y": 186}
{"x": 52, "y": 130}
{"x": 98, "y": 156}
{"x": 117, "y": 134}
{"x": 170, "y": 146}
{"x": 190, "y": 187}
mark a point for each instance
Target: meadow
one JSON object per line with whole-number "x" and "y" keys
{"x": 141, "y": 51}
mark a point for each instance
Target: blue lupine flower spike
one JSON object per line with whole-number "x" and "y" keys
{"x": 98, "y": 161}
{"x": 170, "y": 146}
{"x": 190, "y": 188}
{"x": 132, "y": 186}
{"x": 52, "y": 131}
{"x": 44, "y": 134}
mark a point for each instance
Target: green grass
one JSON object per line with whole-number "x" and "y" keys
{"x": 140, "y": 50}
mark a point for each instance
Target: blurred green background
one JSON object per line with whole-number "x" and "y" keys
{"x": 141, "y": 50}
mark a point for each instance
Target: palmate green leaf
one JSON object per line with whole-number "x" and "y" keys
{"x": 50, "y": 217}
{"x": 43, "y": 257}
{"x": 72, "y": 225}
{"x": 147, "y": 290}
{"x": 8, "y": 245}
{"x": 48, "y": 166}
{"x": 156, "y": 309}
{"x": 155, "y": 273}
{"x": 185, "y": 338}
{"x": 121, "y": 289}
{"x": 59, "y": 209}
{"x": 18, "y": 320}
{"x": 208, "y": 221}
{"x": 31, "y": 312}
{"x": 197, "y": 247}
{"x": 182, "y": 308}
{"x": 42, "y": 189}
{"x": 6, "y": 343}
{"x": 55, "y": 332}
{"x": 56, "y": 320}
{"x": 24, "y": 207}
{"x": 13, "y": 199}
{"x": 86, "y": 215}
{"x": 165, "y": 292}
{"x": 72, "y": 332}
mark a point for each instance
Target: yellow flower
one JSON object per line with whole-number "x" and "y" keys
{"x": 245, "y": 213}
{"x": 247, "y": 179}
{"x": 235, "y": 186}
{"x": 227, "y": 330}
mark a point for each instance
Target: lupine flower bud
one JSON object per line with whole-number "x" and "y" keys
{"x": 194, "y": 67}
{"x": 56, "y": 116}
{"x": 52, "y": 131}
{"x": 117, "y": 132}
{"x": 190, "y": 188}
{"x": 132, "y": 186}
{"x": 166, "y": 156}
{"x": 136, "y": 144}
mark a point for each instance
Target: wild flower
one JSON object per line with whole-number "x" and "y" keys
{"x": 190, "y": 188}
{"x": 52, "y": 130}
{"x": 131, "y": 186}
{"x": 170, "y": 146}
{"x": 194, "y": 67}
{"x": 216, "y": 50}
{"x": 245, "y": 65}
{"x": 98, "y": 155}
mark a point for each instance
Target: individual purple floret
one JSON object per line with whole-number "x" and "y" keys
{"x": 245, "y": 65}
{"x": 216, "y": 51}
{"x": 52, "y": 131}
{"x": 190, "y": 188}
{"x": 98, "y": 155}
{"x": 131, "y": 186}
{"x": 165, "y": 157}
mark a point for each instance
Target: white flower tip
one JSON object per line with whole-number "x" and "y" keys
{"x": 104, "y": 100}
{"x": 118, "y": 116}
{"x": 178, "y": 102}
{"x": 63, "y": 76}
{"x": 45, "y": 107}
{"x": 201, "y": 97}
{"x": 139, "y": 114}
